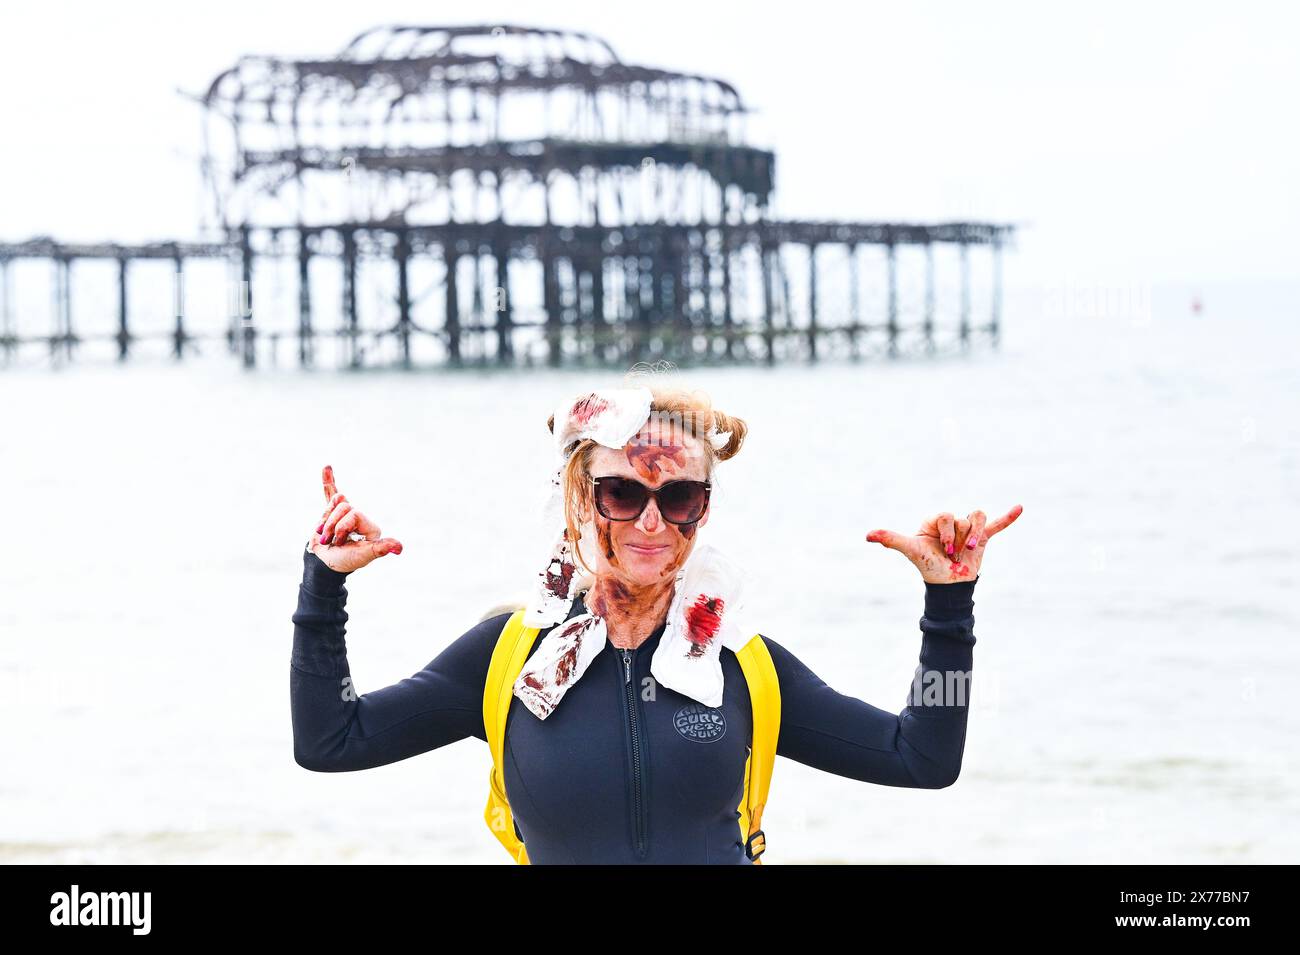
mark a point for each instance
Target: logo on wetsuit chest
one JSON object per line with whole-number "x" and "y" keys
{"x": 700, "y": 723}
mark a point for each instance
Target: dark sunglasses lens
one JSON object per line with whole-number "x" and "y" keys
{"x": 619, "y": 500}
{"x": 682, "y": 502}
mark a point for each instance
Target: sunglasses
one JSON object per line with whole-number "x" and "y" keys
{"x": 623, "y": 499}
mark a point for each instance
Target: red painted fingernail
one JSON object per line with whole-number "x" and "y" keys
{"x": 949, "y": 548}
{"x": 970, "y": 544}
{"x": 320, "y": 528}
{"x": 324, "y": 538}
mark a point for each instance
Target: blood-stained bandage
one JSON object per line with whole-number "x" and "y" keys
{"x": 611, "y": 417}
{"x": 703, "y": 618}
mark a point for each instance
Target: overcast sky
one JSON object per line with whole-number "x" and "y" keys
{"x": 1157, "y": 140}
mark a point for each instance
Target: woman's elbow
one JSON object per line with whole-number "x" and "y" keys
{"x": 947, "y": 780}
{"x": 314, "y": 761}
{"x": 936, "y": 777}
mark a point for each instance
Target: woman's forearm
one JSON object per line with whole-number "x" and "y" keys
{"x": 921, "y": 746}
{"x": 319, "y": 678}
{"x": 932, "y": 725}
{"x": 338, "y": 729}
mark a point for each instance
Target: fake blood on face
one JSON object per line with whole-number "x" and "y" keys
{"x": 659, "y": 446}
{"x": 702, "y": 621}
{"x": 605, "y": 538}
{"x": 611, "y": 594}
{"x": 649, "y": 459}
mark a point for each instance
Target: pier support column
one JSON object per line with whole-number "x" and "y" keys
{"x": 179, "y": 338}
{"x": 678, "y": 325}
{"x": 7, "y": 336}
{"x": 891, "y": 259}
{"x": 638, "y": 314}
{"x": 599, "y": 326}
{"x": 929, "y": 298}
{"x": 855, "y": 308}
{"x": 403, "y": 256}
{"x": 123, "y": 332}
{"x": 306, "y": 341}
{"x": 812, "y": 301}
{"x": 451, "y": 322}
{"x": 551, "y": 304}
{"x": 501, "y": 305}
{"x": 248, "y": 338}
{"x": 965, "y": 295}
{"x": 728, "y": 312}
{"x": 766, "y": 254}
{"x": 995, "y": 317}
{"x": 61, "y": 340}
{"x": 350, "y": 297}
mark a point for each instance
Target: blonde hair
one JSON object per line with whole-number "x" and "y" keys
{"x": 690, "y": 410}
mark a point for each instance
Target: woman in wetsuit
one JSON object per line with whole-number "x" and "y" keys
{"x": 582, "y": 787}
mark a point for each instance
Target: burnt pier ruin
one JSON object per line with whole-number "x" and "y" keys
{"x": 500, "y": 195}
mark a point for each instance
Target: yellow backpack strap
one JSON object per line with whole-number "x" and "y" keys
{"x": 765, "y": 698}
{"x": 508, "y": 659}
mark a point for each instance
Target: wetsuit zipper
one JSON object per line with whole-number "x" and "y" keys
{"x": 638, "y": 794}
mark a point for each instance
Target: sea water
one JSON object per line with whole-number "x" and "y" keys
{"x": 1137, "y": 632}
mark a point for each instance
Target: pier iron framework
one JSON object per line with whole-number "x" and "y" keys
{"x": 502, "y": 195}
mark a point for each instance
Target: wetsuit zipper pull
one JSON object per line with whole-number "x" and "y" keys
{"x": 627, "y": 666}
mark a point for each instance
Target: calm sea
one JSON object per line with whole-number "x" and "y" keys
{"x": 1137, "y": 631}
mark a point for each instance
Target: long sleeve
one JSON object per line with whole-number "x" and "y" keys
{"x": 335, "y": 727}
{"x": 920, "y": 747}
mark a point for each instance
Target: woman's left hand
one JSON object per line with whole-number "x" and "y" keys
{"x": 946, "y": 550}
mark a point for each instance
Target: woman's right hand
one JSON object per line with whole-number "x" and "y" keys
{"x": 333, "y": 542}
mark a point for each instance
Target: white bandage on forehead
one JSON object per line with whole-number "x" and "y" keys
{"x": 611, "y": 417}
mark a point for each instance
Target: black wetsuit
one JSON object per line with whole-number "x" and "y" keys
{"x": 624, "y": 770}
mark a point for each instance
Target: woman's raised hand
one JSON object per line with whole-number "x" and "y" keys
{"x": 346, "y": 539}
{"x": 946, "y": 550}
